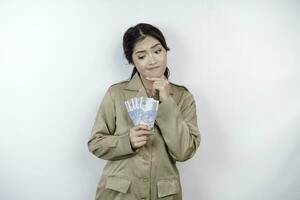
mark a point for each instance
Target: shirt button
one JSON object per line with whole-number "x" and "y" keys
{"x": 145, "y": 179}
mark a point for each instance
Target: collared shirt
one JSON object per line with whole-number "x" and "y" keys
{"x": 149, "y": 172}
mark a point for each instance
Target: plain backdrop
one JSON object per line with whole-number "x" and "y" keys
{"x": 240, "y": 60}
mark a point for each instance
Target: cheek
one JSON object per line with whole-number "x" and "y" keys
{"x": 163, "y": 57}
{"x": 138, "y": 64}
{"x": 163, "y": 60}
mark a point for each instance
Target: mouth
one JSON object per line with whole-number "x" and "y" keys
{"x": 153, "y": 67}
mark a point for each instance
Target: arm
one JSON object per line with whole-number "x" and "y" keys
{"x": 104, "y": 142}
{"x": 179, "y": 127}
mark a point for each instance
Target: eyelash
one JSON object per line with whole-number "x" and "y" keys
{"x": 157, "y": 52}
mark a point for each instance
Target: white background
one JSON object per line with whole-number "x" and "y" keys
{"x": 239, "y": 59}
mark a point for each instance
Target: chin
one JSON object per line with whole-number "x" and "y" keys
{"x": 156, "y": 75}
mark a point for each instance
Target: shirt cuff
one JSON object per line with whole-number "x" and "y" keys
{"x": 124, "y": 145}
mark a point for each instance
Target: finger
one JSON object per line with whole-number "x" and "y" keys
{"x": 141, "y": 139}
{"x": 155, "y": 88}
{"x": 136, "y": 140}
{"x": 136, "y": 128}
{"x": 159, "y": 84}
{"x": 140, "y": 144}
{"x": 143, "y": 132}
{"x": 154, "y": 91}
{"x": 142, "y": 127}
{"x": 153, "y": 79}
{"x": 157, "y": 80}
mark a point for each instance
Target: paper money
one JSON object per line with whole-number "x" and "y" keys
{"x": 142, "y": 110}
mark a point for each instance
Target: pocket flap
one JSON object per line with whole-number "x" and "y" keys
{"x": 167, "y": 187}
{"x": 117, "y": 184}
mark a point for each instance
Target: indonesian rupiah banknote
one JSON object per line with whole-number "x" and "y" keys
{"x": 142, "y": 110}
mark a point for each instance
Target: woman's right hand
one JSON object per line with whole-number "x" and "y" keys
{"x": 139, "y": 135}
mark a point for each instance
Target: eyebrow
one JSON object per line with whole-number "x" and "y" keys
{"x": 150, "y": 47}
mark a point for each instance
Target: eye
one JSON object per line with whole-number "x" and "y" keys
{"x": 158, "y": 51}
{"x": 141, "y": 57}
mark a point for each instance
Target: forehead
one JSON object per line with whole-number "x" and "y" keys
{"x": 145, "y": 43}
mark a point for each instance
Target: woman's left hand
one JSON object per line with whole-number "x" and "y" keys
{"x": 161, "y": 85}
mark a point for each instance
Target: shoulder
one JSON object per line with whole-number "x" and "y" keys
{"x": 179, "y": 88}
{"x": 120, "y": 84}
{"x": 117, "y": 87}
{"x": 182, "y": 92}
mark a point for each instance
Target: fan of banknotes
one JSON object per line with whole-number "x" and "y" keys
{"x": 142, "y": 110}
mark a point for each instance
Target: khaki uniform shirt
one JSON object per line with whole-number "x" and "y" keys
{"x": 150, "y": 171}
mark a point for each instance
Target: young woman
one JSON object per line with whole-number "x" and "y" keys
{"x": 142, "y": 161}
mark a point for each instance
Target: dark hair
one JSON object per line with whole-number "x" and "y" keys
{"x": 137, "y": 33}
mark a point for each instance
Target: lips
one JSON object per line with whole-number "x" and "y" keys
{"x": 153, "y": 67}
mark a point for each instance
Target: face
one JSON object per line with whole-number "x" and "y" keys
{"x": 150, "y": 57}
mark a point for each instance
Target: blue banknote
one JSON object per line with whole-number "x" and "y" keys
{"x": 142, "y": 110}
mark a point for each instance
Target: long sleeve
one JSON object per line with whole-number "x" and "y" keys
{"x": 104, "y": 142}
{"x": 178, "y": 125}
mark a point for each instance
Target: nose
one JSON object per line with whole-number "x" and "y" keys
{"x": 152, "y": 59}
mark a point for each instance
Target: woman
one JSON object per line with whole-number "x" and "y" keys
{"x": 141, "y": 161}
